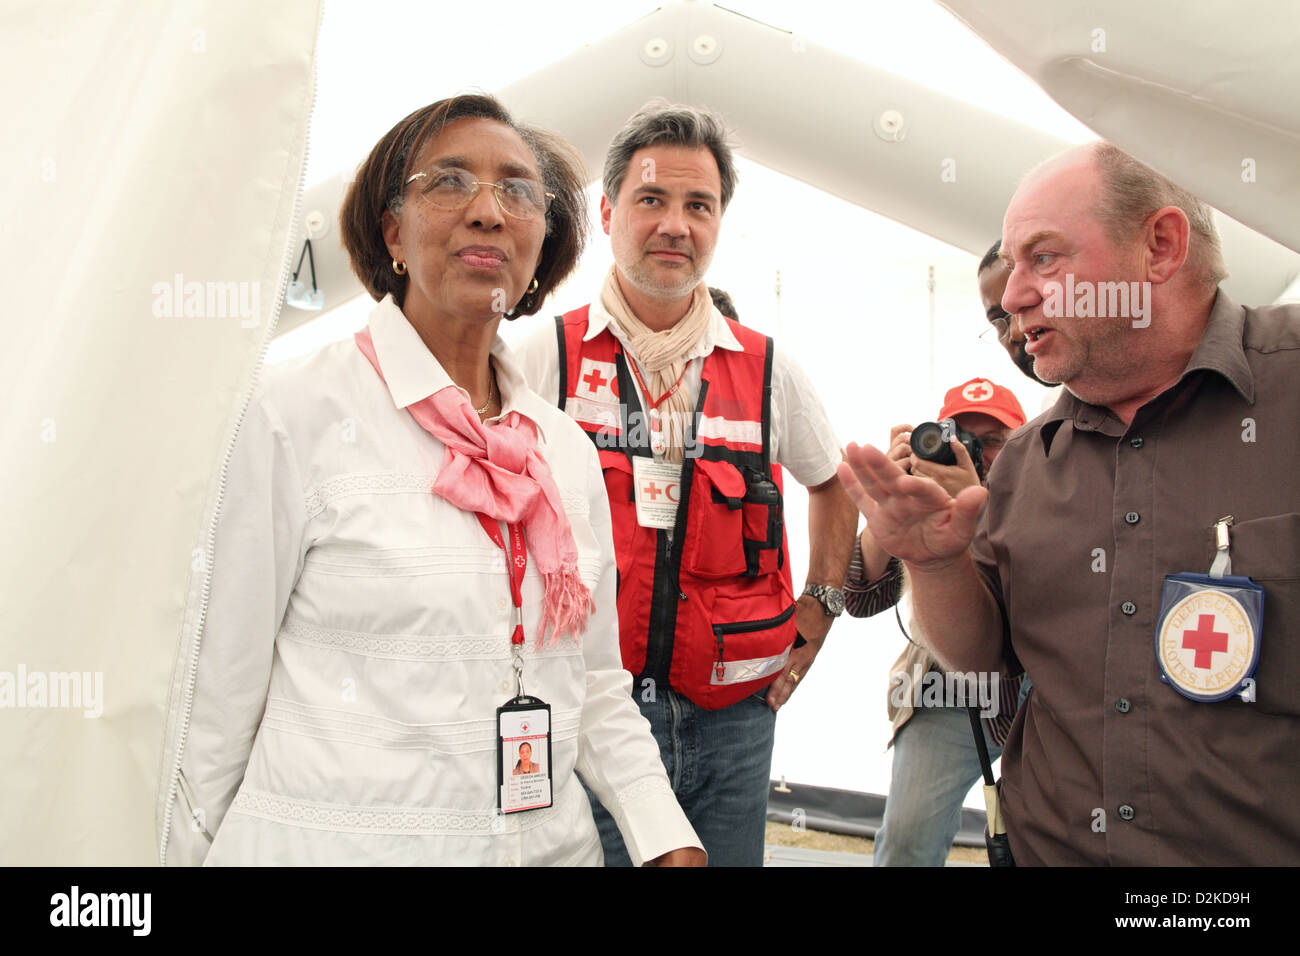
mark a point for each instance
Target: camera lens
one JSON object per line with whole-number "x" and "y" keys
{"x": 929, "y": 442}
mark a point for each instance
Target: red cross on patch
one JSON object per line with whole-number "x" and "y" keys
{"x": 1205, "y": 640}
{"x": 597, "y": 381}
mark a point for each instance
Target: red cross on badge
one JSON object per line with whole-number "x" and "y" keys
{"x": 1205, "y": 640}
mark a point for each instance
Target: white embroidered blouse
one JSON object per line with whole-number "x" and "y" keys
{"x": 356, "y": 644}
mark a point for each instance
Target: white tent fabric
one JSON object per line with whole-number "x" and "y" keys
{"x": 891, "y": 145}
{"x": 1205, "y": 93}
{"x": 153, "y": 155}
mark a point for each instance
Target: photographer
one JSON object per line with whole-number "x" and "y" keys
{"x": 935, "y": 759}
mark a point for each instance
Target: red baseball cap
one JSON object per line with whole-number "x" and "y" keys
{"x": 981, "y": 396}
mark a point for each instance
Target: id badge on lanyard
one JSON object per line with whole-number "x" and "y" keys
{"x": 523, "y": 722}
{"x": 1208, "y": 630}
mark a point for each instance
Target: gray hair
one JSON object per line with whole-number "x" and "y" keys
{"x": 659, "y": 121}
{"x": 1131, "y": 191}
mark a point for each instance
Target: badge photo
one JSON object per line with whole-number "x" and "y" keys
{"x": 523, "y": 755}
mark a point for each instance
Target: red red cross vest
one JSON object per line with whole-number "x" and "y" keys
{"x": 708, "y": 609}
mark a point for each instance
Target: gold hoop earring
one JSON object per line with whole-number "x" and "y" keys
{"x": 532, "y": 288}
{"x": 399, "y": 267}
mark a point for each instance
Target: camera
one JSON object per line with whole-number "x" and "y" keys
{"x": 930, "y": 442}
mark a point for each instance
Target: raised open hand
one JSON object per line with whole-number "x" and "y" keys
{"x": 911, "y": 517}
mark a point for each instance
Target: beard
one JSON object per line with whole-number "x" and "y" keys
{"x": 1025, "y": 362}
{"x": 660, "y": 282}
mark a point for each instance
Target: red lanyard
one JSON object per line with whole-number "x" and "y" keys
{"x": 646, "y": 392}
{"x": 518, "y": 563}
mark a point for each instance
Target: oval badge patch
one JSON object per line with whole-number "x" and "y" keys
{"x": 1207, "y": 646}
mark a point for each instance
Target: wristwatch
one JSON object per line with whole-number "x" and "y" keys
{"x": 831, "y": 599}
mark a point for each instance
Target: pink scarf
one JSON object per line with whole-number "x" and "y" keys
{"x": 496, "y": 470}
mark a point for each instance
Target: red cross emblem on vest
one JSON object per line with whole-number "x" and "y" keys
{"x": 598, "y": 381}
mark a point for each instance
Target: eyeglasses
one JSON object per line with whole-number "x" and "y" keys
{"x": 451, "y": 188}
{"x": 999, "y": 325}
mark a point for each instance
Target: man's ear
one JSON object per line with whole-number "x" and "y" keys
{"x": 392, "y": 235}
{"x": 1167, "y": 239}
{"x": 606, "y": 211}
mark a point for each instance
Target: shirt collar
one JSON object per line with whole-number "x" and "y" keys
{"x": 412, "y": 373}
{"x": 1219, "y": 351}
{"x": 717, "y": 335}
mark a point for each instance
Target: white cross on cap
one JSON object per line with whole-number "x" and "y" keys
{"x": 978, "y": 391}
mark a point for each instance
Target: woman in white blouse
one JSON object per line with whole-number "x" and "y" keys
{"x": 360, "y": 631}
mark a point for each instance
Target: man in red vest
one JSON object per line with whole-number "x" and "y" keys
{"x": 694, "y": 416}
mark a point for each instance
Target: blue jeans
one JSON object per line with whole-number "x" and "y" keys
{"x": 719, "y": 763}
{"x": 935, "y": 765}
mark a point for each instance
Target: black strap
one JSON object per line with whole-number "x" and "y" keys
{"x": 311, "y": 261}
{"x": 767, "y": 404}
{"x": 986, "y": 765}
{"x": 997, "y": 844}
{"x": 564, "y": 361}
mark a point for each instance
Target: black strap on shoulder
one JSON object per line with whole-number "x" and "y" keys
{"x": 767, "y": 403}
{"x": 564, "y": 361}
{"x": 634, "y": 417}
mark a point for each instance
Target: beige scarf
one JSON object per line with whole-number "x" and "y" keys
{"x": 663, "y": 356}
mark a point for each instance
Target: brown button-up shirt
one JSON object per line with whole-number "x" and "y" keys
{"x": 1105, "y": 763}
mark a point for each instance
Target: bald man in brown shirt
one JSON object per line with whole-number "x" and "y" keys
{"x": 1180, "y": 409}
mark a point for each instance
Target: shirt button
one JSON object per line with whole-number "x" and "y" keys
{"x": 1132, "y": 517}
{"x": 1135, "y": 442}
{"x": 1129, "y": 608}
{"x": 501, "y": 603}
{"x": 512, "y": 862}
{"x": 1123, "y": 705}
{"x": 1126, "y": 812}
{"x": 504, "y": 686}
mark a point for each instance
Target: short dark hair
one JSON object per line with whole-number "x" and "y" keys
{"x": 990, "y": 257}
{"x": 380, "y": 185}
{"x": 659, "y": 121}
{"x": 722, "y": 302}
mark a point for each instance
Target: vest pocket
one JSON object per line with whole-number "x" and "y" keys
{"x": 763, "y": 514}
{"x": 743, "y": 643}
{"x": 715, "y": 521}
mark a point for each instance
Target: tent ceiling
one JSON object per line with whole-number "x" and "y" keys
{"x": 870, "y": 137}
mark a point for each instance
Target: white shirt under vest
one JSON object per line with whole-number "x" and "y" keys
{"x": 803, "y": 441}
